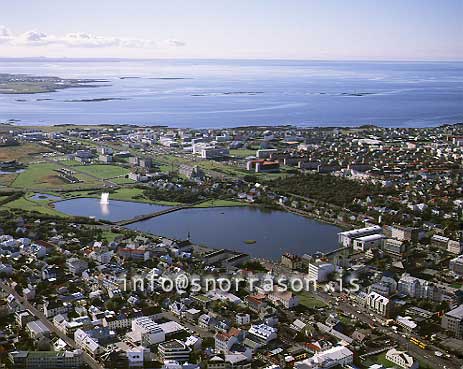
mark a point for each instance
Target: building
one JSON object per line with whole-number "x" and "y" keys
{"x": 140, "y": 253}
{"x": 452, "y": 321}
{"x": 105, "y": 158}
{"x": 419, "y": 288}
{"x": 46, "y": 359}
{"x": 214, "y": 153}
{"x": 406, "y": 233}
{"x": 36, "y": 329}
{"x": 456, "y": 265}
{"x": 284, "y": 298}
{"x": 291, "y": 261}
{"x": 386, "y": 286}
{"x": 225, "y": 341}
{"x": 174, "y": 350}
{"x": 265, "y": 153}
{"x": 263, "y": 166}
{"x": 229, "y": 361}
{"x": 402, "y": 359}
{"x": 365, "y": 243}
{"x": 76, "y": 266}
{"x": 406, "y": 323}
{"x": 379, "y": 304}
{"x": 335, "y": 356}
{"x": 347, "y": 238}
{"x": 22, "y": 317}
{"x": 191, "y": 171}
{"x": 320, "y": 272}
{"x": 440, "y": 241}
{"x": 141, "y": 162}
{"x": 147, "y": 331}
{"x": 394, "y": 248}
{"x": 263, "y": 332}
{"x": 242, "y": 319}
{"x": 455, "y": 247}
{"x": 89, "y": 341}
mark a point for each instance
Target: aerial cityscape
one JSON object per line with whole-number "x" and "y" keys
{"x": 179, "y": 194}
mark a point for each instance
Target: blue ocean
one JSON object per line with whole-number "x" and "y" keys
{"x": 230, "y": 93}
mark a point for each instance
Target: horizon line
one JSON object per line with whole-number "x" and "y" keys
{"x": 64, "y": 58}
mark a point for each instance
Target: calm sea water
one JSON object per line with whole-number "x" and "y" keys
{"x": 204, "y": 93}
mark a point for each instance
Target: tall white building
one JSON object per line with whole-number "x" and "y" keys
{"x": 379, "y": 304}
{"x": 146, "y": 330}
{"x": 320, "y": 271}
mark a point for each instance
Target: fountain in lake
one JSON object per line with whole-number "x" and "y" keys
{"x": 104, "y": 198}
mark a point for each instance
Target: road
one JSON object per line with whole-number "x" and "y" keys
{"x": 92, "y": 363}
{"x": 365, "y": 317}
{"x": 424, "y": 355}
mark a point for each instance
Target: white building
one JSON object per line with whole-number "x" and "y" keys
{"x": 174, "y": 350}
{"x": 456, "y": 265}
{"x": 286, "y": 299}
{"x": 379, "y": 304}
{"x": 242, "y": 319}
{"x": 87, "y": 343}
{"x": 401, "y": 358}
{"x": 338, "y": 355}
{"x": 347, "y": 238}
{"x": 214, "y": 152}
{"x": 455, "y": 247}
{"x": 224, "y": 342}
{"x": 265, "y": 153}
{"x": 372, "y": 241}
{"x": 147, "y": 331}
{"x": 320, "y": 272}
{"x": 264, "y": 332}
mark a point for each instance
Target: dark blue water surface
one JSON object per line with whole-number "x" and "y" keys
{"x": 275, "y": 232}
{"x": 220, "y": 93}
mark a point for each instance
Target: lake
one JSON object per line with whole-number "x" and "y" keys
{"x": 228, "y": 93}
{"x": 115, "y": 211}
{"x": 275, "y": 232}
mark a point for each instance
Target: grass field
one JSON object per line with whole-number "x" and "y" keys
{"x": 44, "y": 176}
{"x": 23, "y": 153}
{"x": 38, "y": 175}
{"x": 103, "y": 170}
{"x": 242, "y": 153}
{"x": 310, "y": 301}
{"x": 381, "y": 359}
{"x": 41, "y": 206}
{"x": 7, "y": 179}
{"x": 216, "y": 203}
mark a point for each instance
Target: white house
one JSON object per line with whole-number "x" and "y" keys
{"x": 402, "y": 359}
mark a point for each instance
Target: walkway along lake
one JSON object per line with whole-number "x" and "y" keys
{"x": 274, "y": 232}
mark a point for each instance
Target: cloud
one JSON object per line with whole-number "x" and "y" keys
{"x": 81, "y": 40}
{"x": 5, "y": 35}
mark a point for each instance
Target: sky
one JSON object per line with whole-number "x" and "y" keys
{"x": 234, "y": 29}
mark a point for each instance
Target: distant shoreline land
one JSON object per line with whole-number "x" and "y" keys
{"x": 26, "y": 84}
